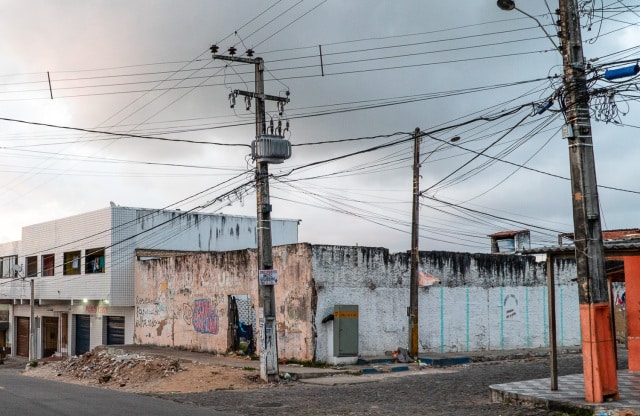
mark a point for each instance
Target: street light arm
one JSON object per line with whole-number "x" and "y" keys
{"x": 442, "y": 143}
{"x": 541, "y": 26}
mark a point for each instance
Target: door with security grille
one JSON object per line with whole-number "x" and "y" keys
{"x": 83, "y": 327}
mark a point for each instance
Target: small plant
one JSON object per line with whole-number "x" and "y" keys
{"x": 33, "y": 363}
{"x": 214, "y": 373}
{"x": 248, "y": 368}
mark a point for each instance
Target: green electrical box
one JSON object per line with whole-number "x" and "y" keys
{"x": 345, "y": 330}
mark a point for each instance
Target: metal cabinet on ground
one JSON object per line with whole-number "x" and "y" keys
{"x": 345, "y": 330}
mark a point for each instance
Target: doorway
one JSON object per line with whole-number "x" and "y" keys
{"x": 22, "y": 336}
{"x": 83, "y": 331}
{"x": 49, "y": 336}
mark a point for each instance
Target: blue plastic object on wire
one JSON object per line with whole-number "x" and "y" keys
{"x": 545, "y": 107}
{"x": 628, "y": 71}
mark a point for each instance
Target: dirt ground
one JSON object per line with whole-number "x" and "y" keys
{"x": 148, "y": 374}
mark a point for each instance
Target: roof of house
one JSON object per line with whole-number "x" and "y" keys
{"x": 612, "y": 247}
{"x": 507, "y": 233}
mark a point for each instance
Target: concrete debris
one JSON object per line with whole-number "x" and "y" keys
{"x": 116, "y": 369}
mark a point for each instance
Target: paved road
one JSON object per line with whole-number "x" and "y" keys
{"x": 29, "y": 396}
{"x": 460, "y": 392}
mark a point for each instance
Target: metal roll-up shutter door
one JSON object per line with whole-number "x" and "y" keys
{"x": 115, "y": 330}
{"x": 22, "y": 347}
{"x": 83, "y": 327}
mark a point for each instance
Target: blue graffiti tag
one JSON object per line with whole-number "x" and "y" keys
{"x": 205, "y": 319}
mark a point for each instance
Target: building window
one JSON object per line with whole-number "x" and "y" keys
{"x": 32, "y": 266}
{"x": 94, "y": 260}
{"x": 8, "y": 266}
{"x": 71, "y": 263}
{"x": 48, "y": 264}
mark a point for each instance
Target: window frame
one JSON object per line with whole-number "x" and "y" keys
{"x": 48, "y": 271}
{"x": 90, "y": 256}
{"x": 69, "y": 259}
{"x": 13, "y": 270}
{"x": 31, "y": 266}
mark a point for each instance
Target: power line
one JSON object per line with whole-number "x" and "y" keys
{"x": 121, "y": 135}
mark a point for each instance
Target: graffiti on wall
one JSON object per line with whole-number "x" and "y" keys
{"x": 184, "y": 312}
{"x": 147, "y": 315}
{"x": 510, "y": 305}
{"x": 147, "y": 311}
{"x": 205, "y": 319}
{"x": 621, "y": 298}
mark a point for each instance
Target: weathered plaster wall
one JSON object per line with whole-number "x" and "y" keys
{"x": 483, "y": 302}
{"x": 182, "y": 301}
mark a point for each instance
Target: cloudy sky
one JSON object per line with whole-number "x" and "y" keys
{"x": 140, "y": 114}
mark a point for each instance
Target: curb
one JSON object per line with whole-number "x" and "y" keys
{"x": 444, "y": 362}
{"x": 389, "y": 368}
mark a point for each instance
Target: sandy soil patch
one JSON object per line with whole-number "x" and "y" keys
{"x": 148, "y": 374}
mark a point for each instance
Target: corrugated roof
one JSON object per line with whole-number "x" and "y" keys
{"x": 508, "y": 233}
{"x": 618, "y": 247}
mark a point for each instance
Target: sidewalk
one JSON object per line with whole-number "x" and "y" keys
{"x": 296, "y": 371}
{"x": 570, "y": 395}
{"x": 364, "y": 371}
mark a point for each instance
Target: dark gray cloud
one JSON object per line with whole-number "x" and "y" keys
{"x": 374, "y": 53}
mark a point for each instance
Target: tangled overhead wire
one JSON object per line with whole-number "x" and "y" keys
{"x": 605, "y": 102}
{"x": 587, "y": 9}
{"x": 605, "y": 108}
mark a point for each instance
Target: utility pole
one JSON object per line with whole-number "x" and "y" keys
{"x": 265, "y": 149}
{"x": 599, "y": 361}
{"x": 413, "y": 285}
{"x": 32, "y": 324}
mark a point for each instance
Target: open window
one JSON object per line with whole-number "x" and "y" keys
{"x": 71, "y": 263}
{"x": 48, "y": 264}
{"x": 94, "y": 260}
{"x": 32, "y": 266}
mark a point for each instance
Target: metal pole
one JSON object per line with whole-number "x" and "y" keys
{"x": 553, "y": 348}
{"x": 598, "y": 360}
{"x": 413, "y": 287}
{"x": 266, "y": 293}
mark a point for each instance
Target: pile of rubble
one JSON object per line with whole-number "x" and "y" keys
{"x": 104, "y": 367}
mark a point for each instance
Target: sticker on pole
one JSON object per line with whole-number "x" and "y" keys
{"x": 267, "y": 277}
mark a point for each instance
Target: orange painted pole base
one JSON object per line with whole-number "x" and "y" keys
{"x": 598, "y": 355}
{"x": 632, "y": 283}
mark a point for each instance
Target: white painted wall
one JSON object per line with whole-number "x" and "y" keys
{"x": 477, "y": 319}
{"x": 485, "y": 302}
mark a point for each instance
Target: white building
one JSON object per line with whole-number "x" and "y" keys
{"x": 82, "y": 268}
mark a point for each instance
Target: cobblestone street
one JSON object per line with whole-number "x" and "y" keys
{"x": 461, "y": 392}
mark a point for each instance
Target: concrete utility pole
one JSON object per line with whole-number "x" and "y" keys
{"x": 265, "y": 149}
{"x": 32, "y": 324}
{"x": 414, "y": 263}
{"x": 266, "y": 294}
{"x": 599, "y": 361}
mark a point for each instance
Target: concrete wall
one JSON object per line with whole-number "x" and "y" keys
{"x": 177, "y": 230}
{"x": 182, "y": 301}
{"x": 11, "y": 248}
{"x": 483, "y": 302}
